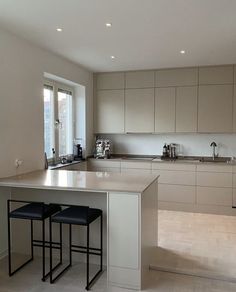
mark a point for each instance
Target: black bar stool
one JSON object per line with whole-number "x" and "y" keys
{"x": 78, "y": 215}
{"x": 33, "y": 211}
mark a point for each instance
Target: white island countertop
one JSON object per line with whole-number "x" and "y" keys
{"x": 81, "y": 180}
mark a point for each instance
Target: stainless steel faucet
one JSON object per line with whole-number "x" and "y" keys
{"x": 214, "y": 145}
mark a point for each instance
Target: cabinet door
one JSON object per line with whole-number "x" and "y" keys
{"x": 214, "y": 196}
{"x": 110, "y": 111}
{"x": 234, "y": 109}
{"x": 216, "y": 75}
{"x": 139, "y": 110}
{"x": 215, "y": 108}
{"x": 114, "y": 80}
{"x": 165, "y": 110}
{"x": 139, "y": 79}
{"x": 186, "y": 109}
{"x": 176, "y": 77}
{"x": 176, "y": 193}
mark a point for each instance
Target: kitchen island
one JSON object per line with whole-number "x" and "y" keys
{"x": 129, "y": 202}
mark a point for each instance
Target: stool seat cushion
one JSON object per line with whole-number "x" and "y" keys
{"x": 35, "y": 211}
{"x": 78, "y": 215}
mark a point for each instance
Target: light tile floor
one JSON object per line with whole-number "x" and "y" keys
{"x": 200, "y": 244}
{"x": 28, "y": 280}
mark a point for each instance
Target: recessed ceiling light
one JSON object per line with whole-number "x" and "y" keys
{"x": 108, "y": 24}
{"x": 59, "y": 29}
{"x": 182, "y": 52}
{"x": 112, "y": 57}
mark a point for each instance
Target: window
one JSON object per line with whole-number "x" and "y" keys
{"x": 48, "y": 120}
{"x": 65, "y": 122}
{"x": 58, "y": 119}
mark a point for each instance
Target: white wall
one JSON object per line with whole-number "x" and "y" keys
{"x": 21, "y": 102}
{"x": 190, "y": 144}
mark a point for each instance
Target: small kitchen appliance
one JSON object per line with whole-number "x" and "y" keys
{"x": 102, "y": 149}
{"x": 170, "y": 151}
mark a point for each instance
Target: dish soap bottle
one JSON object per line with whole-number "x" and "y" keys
{"x": 54, "y": 157}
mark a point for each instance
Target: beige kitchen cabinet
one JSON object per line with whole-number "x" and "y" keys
{"x": 215, "y": 104}
{"x": 214, "y": 167}
{"x": 135, "y": 167}
{"x": 216, "y": 75}
{"x": 139, "y": 110}
{"x": 173, "y": 166}
{"x": 234, "y": 197}
{"x": 186, "y": 109}
{"x": 139, "y": 79}
{"x": 110, "y": 111}
{"x": 234, "y": 109}
{"x": 114, "y": 80}
{"x": 165, "y": 110}
{"x": 104, "y": 165}
{"x": 214, "y": 196}
{"x": 176, "y": 77}
{"x": 176, "y": 193}
{"x": 176, "y": 177}
{"x": 214, "y": 179}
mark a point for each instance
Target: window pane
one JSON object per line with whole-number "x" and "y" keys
{"x": 65, "y": 118}
{"x": 48, "y": 121}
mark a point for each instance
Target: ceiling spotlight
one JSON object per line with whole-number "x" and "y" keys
{"x": 182, "y": 52}
{"x": 112, "y": 57}
{"x": 59, "y": 29}
{"x": 108, "y": 24}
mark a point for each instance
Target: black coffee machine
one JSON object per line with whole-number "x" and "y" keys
{"x": 78, "y": 152}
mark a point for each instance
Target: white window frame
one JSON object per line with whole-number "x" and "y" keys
{"x": 58, "y": 85}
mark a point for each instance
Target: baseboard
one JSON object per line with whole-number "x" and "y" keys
{"x": 3, "y": 254}
{"x": 200, "y": 274}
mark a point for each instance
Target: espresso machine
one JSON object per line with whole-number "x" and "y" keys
{"x": 102, "y": 149}
{"x": 170, "y": 151}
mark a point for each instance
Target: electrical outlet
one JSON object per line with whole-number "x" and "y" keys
{"x": 18, "y": 162}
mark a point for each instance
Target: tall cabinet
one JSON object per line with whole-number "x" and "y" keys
{"x": 109, "y": 103}
{"x": 215, "y": 99}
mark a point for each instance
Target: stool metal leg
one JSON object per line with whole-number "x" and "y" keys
{"x": 70, "y": 244}
{"x": 61, "y": 243}
{"x": 43, "y": 248}
{"x": 101, "y": 242}
{"x": 87, "y": 272}
{"x": 52, "y": 280}
{"x": 50, "y": 247}
{"x": 32, "y": 238}
{"x": 10, "y": 272}
{"x": 89, "y": 283}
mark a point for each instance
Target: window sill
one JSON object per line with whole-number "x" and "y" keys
{"x": 60, "y": 165}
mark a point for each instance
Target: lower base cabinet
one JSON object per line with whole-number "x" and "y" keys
{"x": 193, "y": 187}
{"x": 177, "y": 193}
{"x": 214, "y": 196}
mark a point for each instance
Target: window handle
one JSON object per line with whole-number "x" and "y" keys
{"x": 58, "y": 124}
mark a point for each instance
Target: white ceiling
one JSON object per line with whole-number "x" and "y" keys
{"x": 145, "y": 33}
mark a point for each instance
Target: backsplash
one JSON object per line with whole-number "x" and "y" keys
{"x": 190, "y": 144}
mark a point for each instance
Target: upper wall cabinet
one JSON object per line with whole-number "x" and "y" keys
{"x": 111, "y": 81}
{"x": 165, "y": 110}
{"x": 176, "y": 77}
{"x": 139, "y": 79}
{"x": 216, "y": 75}
{"x": 234, "y": 110}
{"x": 215, "y": 108}
{"x": 186, "y": 109}
{"x": 139, "y": 110}
{"x": 110, "y": 111}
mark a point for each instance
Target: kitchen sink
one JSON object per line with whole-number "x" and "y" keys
{"x": 215, "y": 160}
